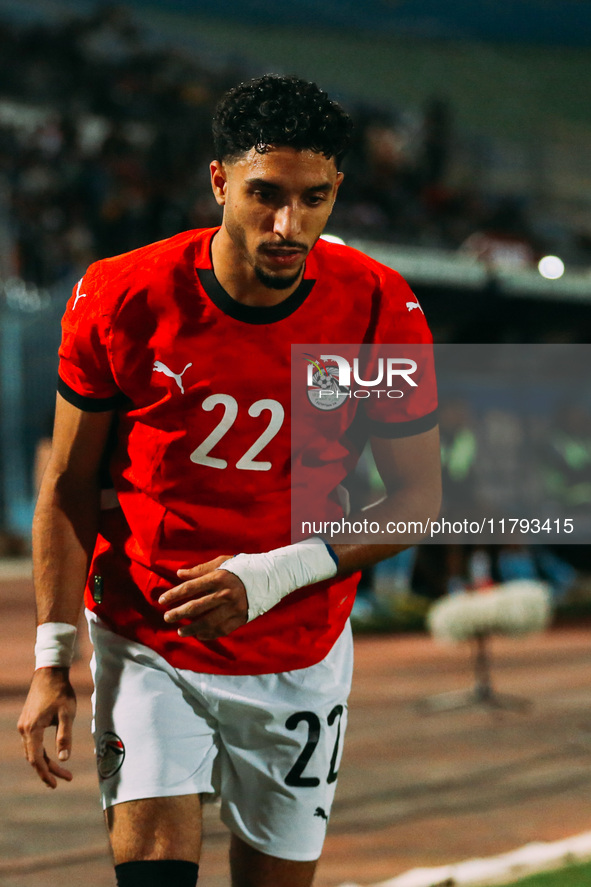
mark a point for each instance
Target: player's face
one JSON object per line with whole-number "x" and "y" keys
{"x": 276, "y": 206}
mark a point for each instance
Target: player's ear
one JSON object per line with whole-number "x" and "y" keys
{"x": 219, "y": 181}
{"x": 337, "y": 185}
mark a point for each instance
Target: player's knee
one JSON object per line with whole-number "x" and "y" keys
{"x": 157, "y": 873}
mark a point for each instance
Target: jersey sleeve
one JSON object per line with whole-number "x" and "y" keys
{"x": 403, "y": 340}
{"x": 85, "y": 375}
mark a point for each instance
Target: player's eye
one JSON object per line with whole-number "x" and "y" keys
{"x": 316, "y": 199}
{"x": 263, "y": 195}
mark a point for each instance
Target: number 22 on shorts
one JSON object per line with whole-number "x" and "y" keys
{"x": 295, "y": 776}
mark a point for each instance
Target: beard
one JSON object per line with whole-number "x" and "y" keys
{"x": 269, "y": 279}
{"x": 274, "y": 281}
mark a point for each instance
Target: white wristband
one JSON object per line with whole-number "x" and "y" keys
{"x": 272, "y": 575}
{"x": 55, "y": 645}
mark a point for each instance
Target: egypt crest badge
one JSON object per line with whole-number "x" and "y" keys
{"x": 324, "y": 390}
{"x": 110, "y": 754}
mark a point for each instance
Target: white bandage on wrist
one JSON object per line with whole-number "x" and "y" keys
{"x": 55, "y": 644}
{"x": 272, "y": 575}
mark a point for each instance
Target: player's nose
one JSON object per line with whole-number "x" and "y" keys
{"x": 288, "y": 222}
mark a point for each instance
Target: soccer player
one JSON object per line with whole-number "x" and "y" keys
{"x": 222, "y": 652}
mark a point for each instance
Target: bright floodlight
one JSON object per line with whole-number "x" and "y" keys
{"x": 332, "y": 238}
{"x": 551, "y": 267}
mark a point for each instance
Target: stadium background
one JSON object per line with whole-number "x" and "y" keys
{"x": 472, "y": 161}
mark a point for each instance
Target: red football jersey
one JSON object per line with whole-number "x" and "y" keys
{"x": 201, "y": 462}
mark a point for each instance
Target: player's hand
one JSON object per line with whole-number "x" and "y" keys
{"x": 213, "y": 600}
{"x": 51, "y": 703}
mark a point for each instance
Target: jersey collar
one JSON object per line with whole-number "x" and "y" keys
{"x": 252, "y": 313}
{"x": 255, "y": 314}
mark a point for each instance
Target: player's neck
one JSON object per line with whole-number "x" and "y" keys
{"x": 238, "y": 278}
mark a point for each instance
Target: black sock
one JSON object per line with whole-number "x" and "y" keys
{"x": 157, "y": 873}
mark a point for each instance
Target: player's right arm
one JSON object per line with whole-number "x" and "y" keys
{"x": 64, "y": 534}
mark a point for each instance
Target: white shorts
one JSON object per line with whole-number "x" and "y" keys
{"x": 269, "y": 745}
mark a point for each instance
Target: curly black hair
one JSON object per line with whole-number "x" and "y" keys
{"x": 281, "y": 111}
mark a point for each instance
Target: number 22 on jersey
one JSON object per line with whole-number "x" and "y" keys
{"x": 247, "y": 462}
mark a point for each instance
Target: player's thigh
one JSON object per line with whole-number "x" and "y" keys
{"x": 156, "y": 828}
{"x": 281, "y": 744}
{"x": 153, "y": 739}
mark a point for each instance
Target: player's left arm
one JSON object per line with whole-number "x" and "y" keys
{"x": 411, "y": 472}
{"x": 221, "y": 595}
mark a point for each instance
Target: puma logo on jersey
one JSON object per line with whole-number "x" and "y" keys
{"x": 79, "y": 295}
{"x": 320, "y": 812}
{"x": 412, "y": 305}
{"x": 160, "y": 367}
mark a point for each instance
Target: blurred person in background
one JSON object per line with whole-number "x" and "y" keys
{"x": 565, "y": 464}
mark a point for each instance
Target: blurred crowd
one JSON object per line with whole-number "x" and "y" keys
{"x": 115, "y": 156}
{"x": 105, "y": 144}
